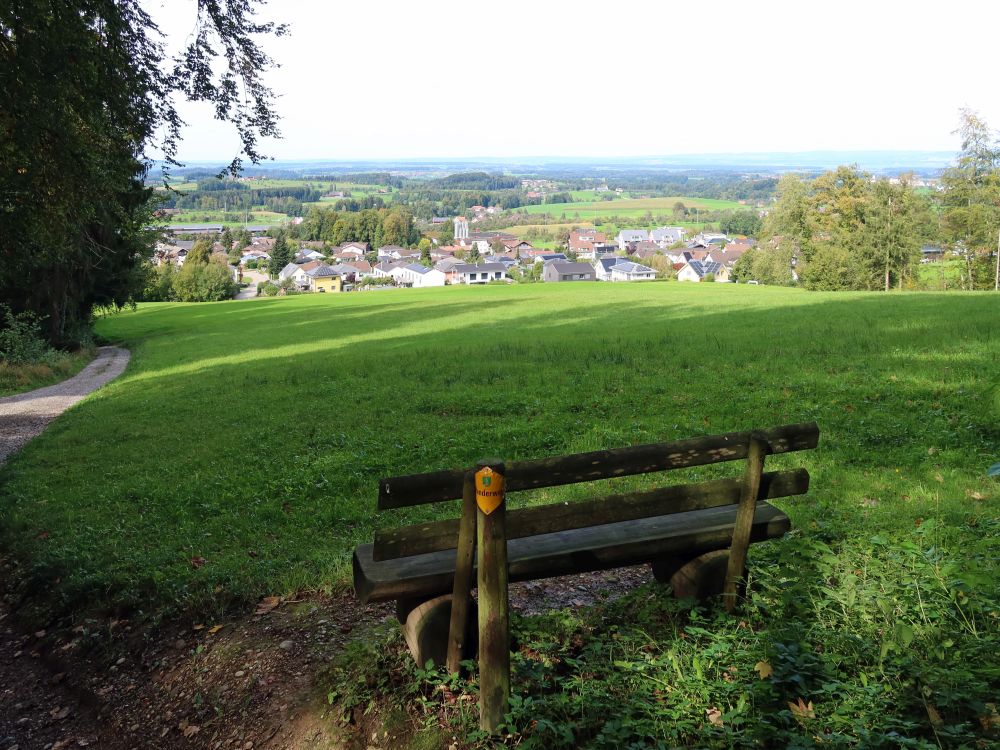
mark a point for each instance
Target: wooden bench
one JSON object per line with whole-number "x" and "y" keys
{"x": 672, "y": 527}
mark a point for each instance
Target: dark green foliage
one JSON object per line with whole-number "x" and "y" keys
{"x": 159, "y": 286}
{"x": 377, "y": 227}
{"x": 204, "y": 282}
{"x": 21, "y": 339}
{"x": 281, "y": 253}
{"x": 476, "y": 181}
{"x": 741, "y": 223}
{"x": 87, "y": 88}
{"x": 195, "y": 281}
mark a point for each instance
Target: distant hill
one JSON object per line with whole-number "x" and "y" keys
{"x": 881, "y": 162}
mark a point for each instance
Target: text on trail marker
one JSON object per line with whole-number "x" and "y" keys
{"x": 489, "y": 489}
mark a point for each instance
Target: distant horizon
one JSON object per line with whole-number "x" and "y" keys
{"x": 870, "y": 159}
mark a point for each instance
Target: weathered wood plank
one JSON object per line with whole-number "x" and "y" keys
{"x": 418, "y": 489}
{"x": 464, "y": 564}
{"x": 566, "y": 552}
{"x": 744, "y": 520}
{"x": 494, "y": 641}
{"x": 433, "y": 536}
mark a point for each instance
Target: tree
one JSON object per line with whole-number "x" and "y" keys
{"x": 425, "y": 252}
{"x": 159, "y": 285}
{"x": 747, "y": 223}
{"x": 281, "y": 253}
{"x": 890, "y": 230}
{"x": 89, "y": 92}
{"x": 447, "y": 232}
{"x": 971, "y": 200}
{"x": 743, "y": 267}
{"x": 201, "y": 253}
{"x": 790, "y": 215}
{"x": 204, "y": 282}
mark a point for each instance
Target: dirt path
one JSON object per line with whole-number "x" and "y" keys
{"x": 25, "y": 415}
{"x": 39, "y": 708}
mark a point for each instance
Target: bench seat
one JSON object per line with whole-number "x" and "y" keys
{"x": 612, "y": 545}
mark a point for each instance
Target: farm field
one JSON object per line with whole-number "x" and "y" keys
{"x": 164, "y": 494}
{"x": 185, "y": 217}
{"x": 521, "y": 231}
{"x": 630, "y": 207}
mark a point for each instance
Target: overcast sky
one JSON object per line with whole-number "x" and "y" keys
{"x": 390, "y": 79}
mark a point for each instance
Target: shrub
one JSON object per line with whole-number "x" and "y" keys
{"x": 204, "y": 282}
{"x": 21, "y": 339}
{"x": 159, "y": 286}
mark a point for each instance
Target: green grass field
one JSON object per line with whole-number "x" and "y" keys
{"x": 630, "y": 207}
{"x": 270, "y": 218}
{"x": 239, "y": 456}
{"x": 350, "y": 388}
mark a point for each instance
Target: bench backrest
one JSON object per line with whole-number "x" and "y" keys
{"x": 419, "y": 489}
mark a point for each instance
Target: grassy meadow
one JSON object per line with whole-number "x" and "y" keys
{"x": 238, "y": 456}
{"x": 630, "y": 207}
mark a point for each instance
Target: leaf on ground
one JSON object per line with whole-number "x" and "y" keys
{"x": 197, "y": 561}
{"x": 764, "y": 669}
{"x": 802, "y": 710}
{"x": 975, "y": 495}
{"x": 714, "y": 716}
{"x": 214, "y": 629}
{"x": 268, "y": 603}
{"x": 869, "y": 502}
{"x": 191, "y": 729}
{"x": 934, "y": 716}
{"x": 939, "y": 478}
{"x": 198, "y": 627}
{"x": 990, "y": 721}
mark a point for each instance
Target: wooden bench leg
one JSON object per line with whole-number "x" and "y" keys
{"x": 426, "y": 631}
{"x": 405, "y": 606}
{"x": 703, "y": 577}
{"x": 736, "y": 572}
{"x": 665, "y": 567}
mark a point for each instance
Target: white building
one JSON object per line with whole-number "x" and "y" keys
{"x": 466, "y": 273}
{"x": 626, "y": 270}
{"x": 417, "y": 275}
{"x": 667, "y": 236}
{"x": 626, "y": 236}
{"x": 461, "y": 227}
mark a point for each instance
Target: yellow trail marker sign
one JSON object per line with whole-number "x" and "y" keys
{"x": 489, "y": 489}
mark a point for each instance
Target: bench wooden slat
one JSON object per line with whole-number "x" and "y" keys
{"x": 418, "y": 489}
{"x": 566, "y": 552}
{"x": 417, "y": 539}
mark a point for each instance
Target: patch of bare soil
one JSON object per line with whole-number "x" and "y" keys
{"x": 253, "y": 682}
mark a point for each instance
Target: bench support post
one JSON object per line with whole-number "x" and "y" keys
{"x": 736, "y": 569}
{"x": 494, "y": 639}
{"x": 462, "y": 587}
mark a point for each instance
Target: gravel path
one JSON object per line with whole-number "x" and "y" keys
{"x": 25, "y": 415}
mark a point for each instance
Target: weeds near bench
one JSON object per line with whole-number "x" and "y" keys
{"x": 862, "y": 642}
